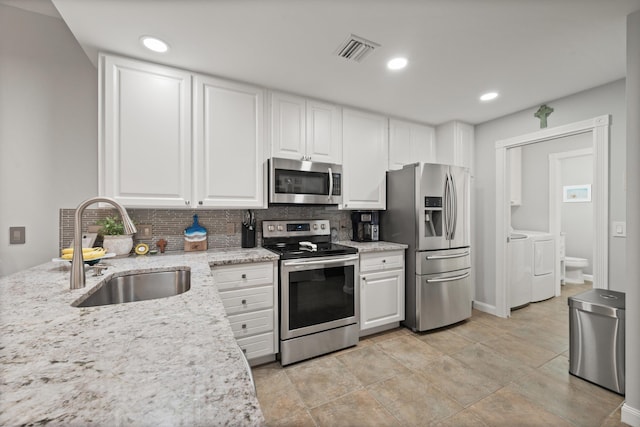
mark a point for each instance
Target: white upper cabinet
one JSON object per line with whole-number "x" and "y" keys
{"x": 454, "y": 142}
{"x": 365, "y": 160}
{"x": 305, "y": 129}
{"x": 229, "y": 141}
{"x": 145, "y": 133}
{"x": 164, "y": 145}
{"x": 410, "y": 143}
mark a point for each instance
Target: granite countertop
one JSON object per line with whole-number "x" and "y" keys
{"x": 168, "y": 361}
{"x": 379, "y": 246}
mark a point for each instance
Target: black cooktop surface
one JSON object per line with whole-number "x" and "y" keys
{"x": 292, "y": 250}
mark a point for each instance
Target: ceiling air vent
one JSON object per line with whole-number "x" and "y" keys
{"x": 356, "y": 48}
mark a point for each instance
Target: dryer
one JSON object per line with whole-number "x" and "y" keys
{"x": 544, "y": 263}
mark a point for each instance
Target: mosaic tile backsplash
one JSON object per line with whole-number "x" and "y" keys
{"x": 223, "y": 226}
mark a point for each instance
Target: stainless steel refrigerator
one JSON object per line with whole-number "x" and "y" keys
{"x": 428, "y": 209}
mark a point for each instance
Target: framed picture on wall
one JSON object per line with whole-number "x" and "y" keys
{"x": 576, "y": 193}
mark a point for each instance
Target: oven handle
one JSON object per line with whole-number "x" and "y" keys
{"x": 448, "y": 279}
{"x": 325, "y": 260}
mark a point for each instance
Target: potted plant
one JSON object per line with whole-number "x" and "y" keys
{"x": 114, "y": 239}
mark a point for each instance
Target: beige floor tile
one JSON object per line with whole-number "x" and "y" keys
{"x": 370, "y": 364}
{"x": 545, "y": 339}
{"x": 445, "y": 341}
{"x": 508, "y": 408}
{"x": 464, "y": 418}
{"x": 297, "y": 419}
{"x": 527, "y": 352}
{"x": 413, "y": 400}
{"x": 319, "y": 380}
{"x": 613, "y": 420}
{"x": 563, "y": 398}
{"x": 276, "y": 394}
{"x": 354, "y": 409}
{"x": 410, "y": 351}
{"x": 492, "y": 364}
{"x": 477, "y": 331}
{"x": 459, "y": 381}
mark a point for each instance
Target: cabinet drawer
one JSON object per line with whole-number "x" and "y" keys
{"x": 241, "y": 275}
{"x": 257, "y": 345}
{"x": 255, "y": 322}
{"x": 242, "y": 300}
{"x": 380, "y": 261}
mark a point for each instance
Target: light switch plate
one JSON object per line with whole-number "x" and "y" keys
{"x": 16, "y": 235}
{"x": 619, "y": 229}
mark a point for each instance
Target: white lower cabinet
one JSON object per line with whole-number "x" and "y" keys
{"x": 250, "y": 300}
{"x": 381, "y": 290}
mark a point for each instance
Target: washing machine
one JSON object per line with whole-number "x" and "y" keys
{"x": 543, "y": 264}
{"x": 520, "y": 272}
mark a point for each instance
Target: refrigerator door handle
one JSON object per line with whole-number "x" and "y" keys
{"x": 454, "y": 202}
{"x": 461, "y": 255}
{"x": 445, "y": 207}
{"x": 449, "y": 279}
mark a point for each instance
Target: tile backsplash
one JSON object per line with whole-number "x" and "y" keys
{"x": 169, "y": 224}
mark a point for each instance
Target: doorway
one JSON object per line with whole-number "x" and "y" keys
{"x": 598, "y": 129}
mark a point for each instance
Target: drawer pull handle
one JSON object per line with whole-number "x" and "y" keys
{"x": 244, "y": 276}
{"x": 384, "y": 260}
{"x": 244, "y": 302}
{"x": 244, "y": 326}
{"x": 364, "y": 278}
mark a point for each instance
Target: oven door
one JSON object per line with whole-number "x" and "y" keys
{"x": 303, "y": 182}
{"x": 317, "y": 294}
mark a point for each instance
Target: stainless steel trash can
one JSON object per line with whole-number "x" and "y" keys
{"x": 596, "y": 338}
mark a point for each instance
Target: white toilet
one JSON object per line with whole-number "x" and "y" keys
{"x": 573, "y": 270}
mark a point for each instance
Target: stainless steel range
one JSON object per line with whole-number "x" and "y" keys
{"x": 319, "y": 299}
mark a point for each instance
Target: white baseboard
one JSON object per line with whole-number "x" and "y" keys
{"x": 630, "y": 415}
{"x": 487, "y": 308}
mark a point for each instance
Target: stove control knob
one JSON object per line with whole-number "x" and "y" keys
{"x": 280, "y": 228}
{"x": 315, "y": 226}
{"x": 323, "y": 226}
{"x": 271, "y": 228}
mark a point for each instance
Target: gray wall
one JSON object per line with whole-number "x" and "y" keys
{"x": 48, "y": 132}
{"x": 631, "y": 408}
{"x": 602, "y": 100}
{"x": 577, "y": 218}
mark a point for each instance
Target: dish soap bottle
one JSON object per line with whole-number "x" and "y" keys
{"x": 195, "y": 237}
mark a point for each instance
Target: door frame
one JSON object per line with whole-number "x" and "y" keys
{"x": 599, "y": 129}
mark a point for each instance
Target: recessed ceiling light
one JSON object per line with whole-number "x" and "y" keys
{"x": 397, "y": 63}
{"x": 154, "y": 44}
{"x": 489, "y": 96}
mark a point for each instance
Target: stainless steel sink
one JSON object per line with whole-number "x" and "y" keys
{"x": 139, "y": 287}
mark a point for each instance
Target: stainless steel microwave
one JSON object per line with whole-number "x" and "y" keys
{"x": 304, "y": 182}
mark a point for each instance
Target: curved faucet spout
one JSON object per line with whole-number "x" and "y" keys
{"x": 77, "y": 279}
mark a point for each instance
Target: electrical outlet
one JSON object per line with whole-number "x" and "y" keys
{"x": 16, "y": 235}
{"x": 145, "y": 231}
{"x": 231, "y": 229}
{"x": 619, "y": 229}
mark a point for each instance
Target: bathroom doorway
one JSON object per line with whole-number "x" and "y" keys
{"x": 570, "y": 207}
{"x": 597, "y": 130}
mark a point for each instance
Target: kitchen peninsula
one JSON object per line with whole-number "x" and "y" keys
{"x": 168, "y": 361}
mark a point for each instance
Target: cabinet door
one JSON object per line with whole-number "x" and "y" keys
{"x": 324, "y": 132}
{"x": 381, "y": 298}
{"x": 455, "y": 144}
{"x": 365, "y": 151}
{"x": 230, "y": 144}
{"x": 399, "y": 144}
{"x": 410, "y": 143}
{"x": 145, "y": 133}
{"x": 288, "y": 129}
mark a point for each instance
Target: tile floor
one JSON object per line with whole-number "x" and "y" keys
{"x": 486, "y": 371}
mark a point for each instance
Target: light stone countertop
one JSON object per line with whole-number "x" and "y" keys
{"x": 364, "y": 247}
{"x": 169, "y": 361}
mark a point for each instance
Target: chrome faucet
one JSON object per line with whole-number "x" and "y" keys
{"x": 77, "y": 280}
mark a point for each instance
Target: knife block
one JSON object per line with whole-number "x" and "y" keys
{"x": 248, "y": 237}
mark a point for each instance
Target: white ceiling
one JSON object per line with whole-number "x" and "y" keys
{"x": 530, "y": 51}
